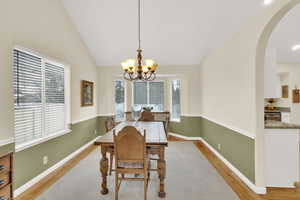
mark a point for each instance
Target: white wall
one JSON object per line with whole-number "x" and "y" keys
{"x": 43, "y": 26}
{"x": 294, "y": 80}
{"x": 232, "y": 79}
{"x": 190, "y": 87}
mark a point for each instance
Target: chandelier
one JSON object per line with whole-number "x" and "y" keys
{"x": 137, "y": 69}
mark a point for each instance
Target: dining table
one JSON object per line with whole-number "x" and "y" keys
{"x": 156, "y": 142}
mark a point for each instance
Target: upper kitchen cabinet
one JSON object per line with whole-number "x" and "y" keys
{"x": 272, "y": 87}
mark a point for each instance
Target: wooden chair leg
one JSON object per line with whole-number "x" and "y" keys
{"x": 111, "y": 158}
{"x": 145, "y": 188}
{"x": 116, "y": 186}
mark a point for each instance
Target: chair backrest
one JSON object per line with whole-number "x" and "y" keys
{"x": 109, "y": 124}
{"x": 146, "y": 116}
{"x": 130, "y": 145}
{"x": 166, "y": 125}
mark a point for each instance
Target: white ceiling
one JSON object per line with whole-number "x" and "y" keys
{"x": 286, "y": 35}
{"x": 174, "y": 32}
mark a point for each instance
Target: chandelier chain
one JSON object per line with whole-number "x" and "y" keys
{"x": 139, "y": 22}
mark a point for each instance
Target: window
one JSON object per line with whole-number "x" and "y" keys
{"x": 119, "y": 100}
{"x": 149, "y": 94}
{"x": 39, "y": 98}
{"x": 175, "y": 110}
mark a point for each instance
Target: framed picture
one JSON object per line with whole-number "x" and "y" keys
{"x": 87, "y": 93}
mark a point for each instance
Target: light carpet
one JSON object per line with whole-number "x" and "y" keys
{"x": 189, "y": 177}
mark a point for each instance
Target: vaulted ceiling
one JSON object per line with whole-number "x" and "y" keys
{"x": 174, "y": 32}
{"x": 286, "y": 35}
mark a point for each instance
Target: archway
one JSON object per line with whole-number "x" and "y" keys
{"x": 264, "y": 36}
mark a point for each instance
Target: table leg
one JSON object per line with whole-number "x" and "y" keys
{"x": 162, "y": 172}
{"x": 104, "y": 170}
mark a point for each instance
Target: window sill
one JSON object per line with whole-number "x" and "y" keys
{"x": 27, "y": 145}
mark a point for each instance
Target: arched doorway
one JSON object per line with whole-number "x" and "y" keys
{"x": 276, "y": 15}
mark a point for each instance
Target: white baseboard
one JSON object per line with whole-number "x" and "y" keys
{"x": 36, "y": 179}
{"x": 7, "y": 141}
{"x": 253, "y": 187}
{"x": 185, "y": 137}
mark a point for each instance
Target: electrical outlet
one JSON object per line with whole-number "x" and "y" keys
{"x": 45, "y": 160}
{"x": 219, "y": 146}
{"x": 95, "y": 132}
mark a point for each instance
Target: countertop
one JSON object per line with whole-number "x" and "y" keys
{"x": 270, "y": 124}
{"x": 279, "y": 109}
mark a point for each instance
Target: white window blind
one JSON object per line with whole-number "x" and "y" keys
{"x": 120, "y": 100}
{"x": 150, "y": 94}
{"x": 176, "y": 110}
{"x": 156, "y": 95}
{"x": 55, "y": 115}
{"x": 39, "y": 96}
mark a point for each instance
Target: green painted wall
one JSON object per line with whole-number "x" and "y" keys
{"x": 238, "y": 149}
{"x": 7, "y": 148}
{"x": 29, "y": 162}
{"x": 101, "y": 124}
{"x": 188, "y": 126}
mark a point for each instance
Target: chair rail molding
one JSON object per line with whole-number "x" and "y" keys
{"x": 84, "y": 119}
{"x": 235, "y": 129}
{"x": 7, "y": 141}
{"x": 106, "y": 115}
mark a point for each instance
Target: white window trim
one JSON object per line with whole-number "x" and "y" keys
{"x": 125, "y": 99}
{"x": 67, "y": 130}
{"x": 171, "y": 101}
{"x": 148, "y": 98}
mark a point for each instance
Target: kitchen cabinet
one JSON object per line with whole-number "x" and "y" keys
{"x": 272, "y": 87}
{"x": 282, "y": 157}
{"x": 285, "y": 117}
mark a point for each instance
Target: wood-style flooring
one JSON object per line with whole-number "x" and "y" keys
{"x": 232, "y": 180}
{"x": 239, "y": 187}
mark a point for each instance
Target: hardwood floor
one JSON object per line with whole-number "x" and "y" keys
{"x": 239, "y": 187}
{"x": 174, "y": 139}
{"x": 232, "y": 180}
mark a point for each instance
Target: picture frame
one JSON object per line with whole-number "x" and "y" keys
{"x": 87, "y": 93}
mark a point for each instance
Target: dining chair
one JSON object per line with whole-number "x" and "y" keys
{"x": 146, "y": 116}
{"x": 166, "y": 126}
{"x": 131, "y": 158}
{"x": 109, "y": 125}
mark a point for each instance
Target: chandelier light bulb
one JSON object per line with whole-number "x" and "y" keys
{"x": 130, "y": 62}
{"x": 145, "y": 69}
{"x": 153, "y": 67}
{"x": 268, "y": 2}
{"x": 124, "y": 66}
{"x": 296, "y": 47}
{"x": 149, "y": 62}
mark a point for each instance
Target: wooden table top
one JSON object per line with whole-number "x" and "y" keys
{"x": 155, "y": 133}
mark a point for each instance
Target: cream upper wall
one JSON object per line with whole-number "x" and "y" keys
{"x": 294, "y": 80}
{"x": 43, "y": 26}
{"x": 232, "y": 80}
{"x": 190, "y": 93}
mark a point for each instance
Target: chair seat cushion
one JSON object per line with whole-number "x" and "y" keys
{"x": 127, "y": 165}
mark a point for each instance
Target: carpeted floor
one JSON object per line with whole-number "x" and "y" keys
{"x": 189, "y": 177}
